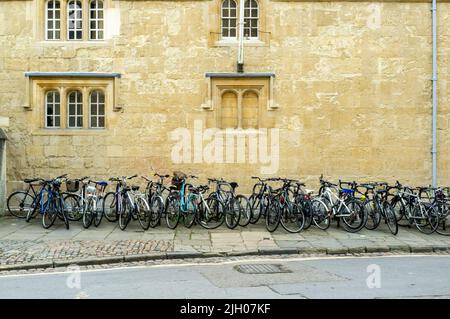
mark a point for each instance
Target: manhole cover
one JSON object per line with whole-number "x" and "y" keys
{"x": 261, "y": 269}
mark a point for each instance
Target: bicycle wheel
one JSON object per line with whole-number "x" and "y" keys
{"x": 305, "y": 204}
{"x": 444, "y": 222}
{"x": 257, "y": 206}
{"x": 143, "y": 212}
{"x": 273, "y": 215}
{"x": 191, "y": 212}
{"x": 124, "y": 213}
{"x": 211, "y": 213}
{"x": 354, "y": 217}
{"x": 246, "y": 210}
{"x": 320, "y": 214}
{"x": 20, "y": 203}
{"x": 172, "y": 211}
{"x": 232, "y": 213}
{"x": 156, "y": 210}
{"x": 390, "y": 218}
{"x": 426, "y": 220}
{"x": 373, "y": 214}
{"x": 49, "y": 215}
{"x": 398, "y": 208}
{"x": 98, "y": 216}
{"x": 110, "y": 207}
{"x": 73, "y": 206}
{"x": 292, "y": 218}
{"x": 62, "y": 211}
{"x": 88, "y": 215}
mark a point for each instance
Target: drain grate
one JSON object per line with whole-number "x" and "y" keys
{"x": 261, "y": 269}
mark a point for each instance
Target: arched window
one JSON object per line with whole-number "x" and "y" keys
{"x": 52, "y": 109}
{"x": 75, "y": 109}
{"x": 251, "y": 16}
{"x": 74, "y": 20}
{"x": 96, "y": 20}
{"x": 229, "y": 19}
{"x": 229, "y": 111}
{"x": 53, "y": 20}
{"x": 97, "y": 109}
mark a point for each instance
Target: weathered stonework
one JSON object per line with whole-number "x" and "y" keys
{"x": 353, "y": 91}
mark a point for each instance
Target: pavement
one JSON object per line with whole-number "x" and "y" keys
{"x": 28, "y": 246}
{"x": 410, "y": 276}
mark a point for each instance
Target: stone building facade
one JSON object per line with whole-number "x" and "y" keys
{"x": 106, "y": 88}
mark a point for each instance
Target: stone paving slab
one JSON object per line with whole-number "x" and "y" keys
{"x": 27, "y": 245}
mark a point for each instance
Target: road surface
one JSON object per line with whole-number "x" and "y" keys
{"x": 340, "y": 277}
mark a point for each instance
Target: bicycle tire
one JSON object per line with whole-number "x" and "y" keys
{"x": 320, "y": 213}
{"x": 246, "y": 212}
{"x": 88, "y": 215}
{"x": 20, "y": 203}
{"x": 292, "y": 214}
{"x": 49, "y": 215}
{"x": 211, "y": 213}
{"x": 273, "y": 216}
{"x": 172, "y": 211}
{"x": 233, "y": 213}
{"x": 156, "y": 210}
{"x": 143, "y": 212}
{"x": 98, "y": 216}
{"x": 357, "y": 218}
{"x": 390, "y": 218}
{"x": 110, "y": 207}
{"x": 124, "y": 214}
{"x": 373, "y": 214}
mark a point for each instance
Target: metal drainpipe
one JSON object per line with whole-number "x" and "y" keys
{"x": 434, "y": 81}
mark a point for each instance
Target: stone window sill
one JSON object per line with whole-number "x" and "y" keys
{"x": 69, "y": 132}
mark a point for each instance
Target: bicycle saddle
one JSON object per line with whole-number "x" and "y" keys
{"x": 234, "y": 185}
{"x": 347, "y": 191}
{"x": 135, "y": 188}
{"x": 30, "y": 180}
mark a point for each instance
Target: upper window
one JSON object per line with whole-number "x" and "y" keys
{"x": 53, "y": 20}
{"x": 97, "y": 110}
{"x": 251, "y": 16}
{"x": 52, "y": 109}
{"x": 229, "y": 19}
{"x": 74, "y": 20}
{"x": 96, "y": 20}
{"x": 75, "y": 109}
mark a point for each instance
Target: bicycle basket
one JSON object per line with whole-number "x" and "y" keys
{"x": 72, "y": 186}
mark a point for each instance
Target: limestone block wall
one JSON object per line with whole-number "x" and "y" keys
{"x": 352, "y": 82}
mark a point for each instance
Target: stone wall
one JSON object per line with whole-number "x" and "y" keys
{"x": 353, "y": 89}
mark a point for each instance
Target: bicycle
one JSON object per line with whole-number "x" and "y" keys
{"x": 93, "y": 196}
{"x": 20, "y": 203}
{"x": 180, "y": 203}
{"x": 342, "y": 206}
{"x": 155, "y": 197}
{"x": 235, "y": 205}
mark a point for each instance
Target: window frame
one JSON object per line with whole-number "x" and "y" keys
{"x": 75, "y": 20}
{"x": 97, "y": 116}
{"x": 54, "y": 20}
{"x": 54, "y": 116}
{"x": 76, "y": 104}
{"x": 229, "y": 18}
{"x": 250, "y": 18}
{"x": 96, "y": 20}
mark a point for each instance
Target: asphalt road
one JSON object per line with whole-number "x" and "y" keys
{"x": 345, "y": 277}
